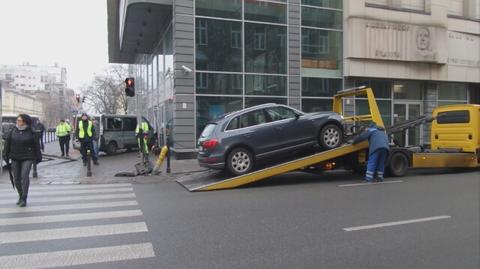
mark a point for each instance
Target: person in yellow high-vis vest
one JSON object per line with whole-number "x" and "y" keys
{"x": 85, "y": 133}
{"x": 142, "y": 133}
{"x": 63, "y": 133}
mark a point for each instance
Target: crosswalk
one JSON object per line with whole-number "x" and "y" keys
{"x": 70, "y": 225}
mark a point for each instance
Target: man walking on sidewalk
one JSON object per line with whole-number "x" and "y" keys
{"x": 63, "y": 134}
{"x": 378, "y": 148}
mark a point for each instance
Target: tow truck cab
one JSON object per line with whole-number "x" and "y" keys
{"x": 456, "y": 127}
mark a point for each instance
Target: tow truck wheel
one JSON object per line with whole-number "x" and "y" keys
{"x": 398, "y": 164}
{"x": 239, "y": 162}
{"x": 330, "y": 137}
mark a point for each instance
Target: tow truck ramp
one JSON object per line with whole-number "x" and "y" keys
{"x": 214, "y": 180}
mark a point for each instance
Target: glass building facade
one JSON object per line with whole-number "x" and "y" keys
{"x": 242, "y": 54}
{"x": 204, "y": 58}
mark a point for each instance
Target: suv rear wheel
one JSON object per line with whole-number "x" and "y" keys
{"x": 330, "y": 137}
{"x": 239, "y": 161}
{"x": 112, "y": 148}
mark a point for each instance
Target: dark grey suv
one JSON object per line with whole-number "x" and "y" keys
{"x": 237, "y": 141}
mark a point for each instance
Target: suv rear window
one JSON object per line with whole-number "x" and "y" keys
{"x": 460, "y": 116}
{"x": 208, "y": 130}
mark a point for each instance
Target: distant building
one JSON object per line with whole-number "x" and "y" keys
{"x": 28, "y": 78}
{"x": 14, "y": 102}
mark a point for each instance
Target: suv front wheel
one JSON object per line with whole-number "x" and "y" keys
{"x": 239, "y": 162}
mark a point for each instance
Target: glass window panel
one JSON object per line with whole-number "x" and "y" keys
{"x": 265, "y": 85}
{"x": 218, "y": 45}
{"x": 320, "y": 87}
{"x": 452, "y": 91}
{"x": 411, "y": 90}
{"x": 322, "y": 18}
{"x": 323, "y": 3}
{"x": 321, "y": 49}
{"x": 385, "y": 107}
{"x": 280, "y": 113}
{"x": 253, "y": 118}
{"x": 254, "y": 101}
{"x": 265, "y": 11}
{"x": 209, "y": 108}
{"x": 208, "y": 83}
{"x": 219, "y": 8}
{"x": 446, "y": 103}
{"x": 381, "y": 88}
{"x": 265, "y": 48}
{"x": 316, "y": 105}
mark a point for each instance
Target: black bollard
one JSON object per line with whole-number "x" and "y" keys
{"x": 89, "y": 164}
{"x": 35, "y": 173}
{"x": 169, "y": 170}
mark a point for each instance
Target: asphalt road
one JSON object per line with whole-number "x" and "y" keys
{"x": 425, "y": 220}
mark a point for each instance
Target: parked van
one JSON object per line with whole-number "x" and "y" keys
{"x": 115, "y": 132}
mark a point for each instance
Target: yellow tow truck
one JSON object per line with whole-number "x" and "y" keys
{"x": 455, "y": 143}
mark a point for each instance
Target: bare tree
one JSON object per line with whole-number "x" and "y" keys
{"x": 106, "y": 92}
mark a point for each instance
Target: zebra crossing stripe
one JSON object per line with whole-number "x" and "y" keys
{"x": 8, "y": 188}
{"x": 34, "y": 193}
{"x": 70, "y": 217}
{"x": 31, "y": 209}
{"x": 76, "y": 232}
{"x": 78, "y": 256}
{"x": 70, "y": 198}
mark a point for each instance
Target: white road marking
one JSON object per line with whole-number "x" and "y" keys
{"x": 395, "y": 223}
{"x": 34, "y": 193}
{"x": 70, "y": 217}
{"x": 76, "y": 232}
{"x": 8, "y": 188}
{"x": 373, "y": 183}
{"x": 70, "y": 198}
{"x": 30, "y": 209}
{"x": 78, "y": 256}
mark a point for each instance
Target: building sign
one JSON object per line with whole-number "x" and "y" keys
{"x": 463, "y": 49}
{"x": 397, "y": 41}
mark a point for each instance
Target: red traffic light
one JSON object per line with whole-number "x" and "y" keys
{"x": 130, "y": 87}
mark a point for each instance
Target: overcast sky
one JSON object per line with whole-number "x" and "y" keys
{"x": 72, "y": 33}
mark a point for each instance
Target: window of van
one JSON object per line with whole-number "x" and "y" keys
{"x": 114, "y": 123}
{"x": 459, "y": 116}
{"x": 129, "y": 124}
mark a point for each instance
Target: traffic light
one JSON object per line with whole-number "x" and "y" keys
{"x": 78, "y": 98}
{"x": 130, "y": 87}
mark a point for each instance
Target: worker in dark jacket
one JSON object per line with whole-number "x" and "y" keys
{"x": 23, "y": 148}
{"x": 378, "y": 148}
{"x": 85, "y": 133}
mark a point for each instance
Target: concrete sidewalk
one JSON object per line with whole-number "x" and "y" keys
{"x": 71, "y": 171}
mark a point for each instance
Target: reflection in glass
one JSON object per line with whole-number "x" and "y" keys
{"x": 323, "y": 3}
{"x": 219, "y": 8}
{"x": 322, "y": 18}
{"x": 255, "y": 101}
{"x": 218, "y": 45}
{"x": 320, "y": 87}
{"x": 265, "y": 48}
{"x": 207, "y": 83}
{"x": 321, "y": 49}
{"x": 209, "y": 108}
{"x": 265, "y": 85}
{"x": 411, "y": 90}
{"x": 265, "y": 11}
{"x": 316, "y": 105}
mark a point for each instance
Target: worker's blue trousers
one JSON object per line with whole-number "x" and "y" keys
{"x": 376, "y": 163}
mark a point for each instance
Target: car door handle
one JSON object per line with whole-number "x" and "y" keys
{"x": 247, "y": 135}
{"x": 279, "y": 128}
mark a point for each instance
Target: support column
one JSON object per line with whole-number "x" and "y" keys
{"x": 294, "y": 54}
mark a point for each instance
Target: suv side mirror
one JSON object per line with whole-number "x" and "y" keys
{"x": 297, "y": 116}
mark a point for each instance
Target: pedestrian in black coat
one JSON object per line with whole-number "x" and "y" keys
{"x": 22, "y": 147}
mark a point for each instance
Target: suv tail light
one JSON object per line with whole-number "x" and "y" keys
{"x": 210, "y": 144}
